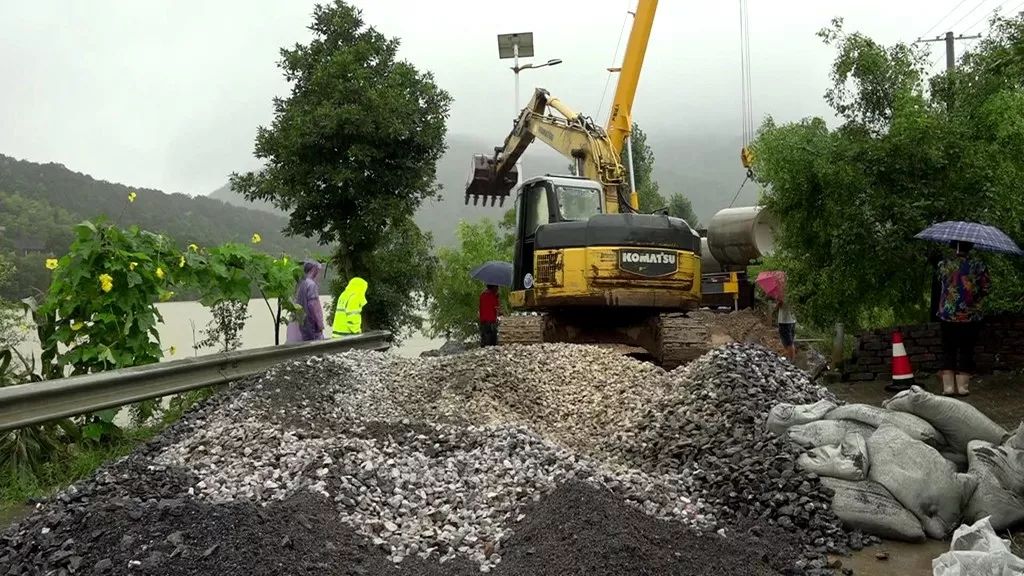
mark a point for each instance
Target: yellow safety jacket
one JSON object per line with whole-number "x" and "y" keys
{"x": 348, "y": 308}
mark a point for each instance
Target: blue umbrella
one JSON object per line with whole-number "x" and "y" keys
{"x": 493, "y": 272}
{"x": 982, "y": 236}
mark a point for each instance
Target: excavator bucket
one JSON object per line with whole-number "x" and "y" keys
{"x": 484, "y": 181}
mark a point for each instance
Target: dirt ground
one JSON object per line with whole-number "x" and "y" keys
{"x": 1001, "y": 397}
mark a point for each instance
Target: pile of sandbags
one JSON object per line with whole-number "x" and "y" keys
{"x": 976, "y": 549}
{"x": 916, "y": 467}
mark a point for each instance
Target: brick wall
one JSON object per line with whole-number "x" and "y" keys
{"x": 1000, "y": 347}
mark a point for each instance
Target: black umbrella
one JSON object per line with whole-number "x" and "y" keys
{"x": 493, "y": 272}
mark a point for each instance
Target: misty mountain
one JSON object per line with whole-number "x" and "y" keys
{"x": 40, "y": 203}
{"x": 705, "y": 168}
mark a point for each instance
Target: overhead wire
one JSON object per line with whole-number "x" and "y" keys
{"x": 964, "y": 17}
{"x": 992, "y": 12}
{"x": 939, "y": 21}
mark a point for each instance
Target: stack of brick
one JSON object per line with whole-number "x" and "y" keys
{"x": 1000, "y": 347}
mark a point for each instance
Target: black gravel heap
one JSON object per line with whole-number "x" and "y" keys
{"x": 712, "y": 424}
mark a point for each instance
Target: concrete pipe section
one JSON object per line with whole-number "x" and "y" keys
{"x": 738, "y": 236}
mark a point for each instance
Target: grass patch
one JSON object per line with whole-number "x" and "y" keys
{"x": 76, "y": 461}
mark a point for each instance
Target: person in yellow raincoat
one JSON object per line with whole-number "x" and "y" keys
{"x": 348, "y": 310}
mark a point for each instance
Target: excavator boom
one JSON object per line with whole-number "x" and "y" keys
{"x": 593, "y": 150}
{"x": 572, "y": 134}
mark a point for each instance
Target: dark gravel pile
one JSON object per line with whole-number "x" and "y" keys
{"x": 577, "y": 529}
{"x": 301, "y": 535}
{"x": 581, "y": 530}
{"x": 712, "y": 425}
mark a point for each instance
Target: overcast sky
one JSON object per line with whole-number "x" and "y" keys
{"x": 168, "y": 94}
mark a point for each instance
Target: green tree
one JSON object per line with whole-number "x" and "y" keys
{"x": 852, "y": 197}
{"x": 352, "y": 150}
{"x": 679, "y": 206}
{"x": 398, "y": 271}
{"x": 507, "y": 227}
{"x": 454, "y": 296}
{"x": 643, "y": 165}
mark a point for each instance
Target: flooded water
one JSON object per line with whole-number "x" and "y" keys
{"x": 184, "y": 321}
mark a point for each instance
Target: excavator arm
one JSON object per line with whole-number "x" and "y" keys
{"x": 573, "y": 135}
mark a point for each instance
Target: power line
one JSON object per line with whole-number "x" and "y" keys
{"x": 986, "y": 16}
{"x": 962, "y": 18}
{"x": 936, "y": 25}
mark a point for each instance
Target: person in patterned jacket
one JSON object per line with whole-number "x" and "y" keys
{"x": 964, "y": 283}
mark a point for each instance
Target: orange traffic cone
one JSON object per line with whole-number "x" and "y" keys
{"x": 902, "y": 374}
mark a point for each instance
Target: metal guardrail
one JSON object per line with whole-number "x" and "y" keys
{"x": 27, "y": 404}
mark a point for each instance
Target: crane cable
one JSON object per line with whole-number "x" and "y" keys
{"x": 615, "y": 60}
{"x": 744, "y": 72}
{"x": 747, "y": 100}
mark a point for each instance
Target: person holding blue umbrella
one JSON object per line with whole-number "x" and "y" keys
{"x": 963, "y": 284}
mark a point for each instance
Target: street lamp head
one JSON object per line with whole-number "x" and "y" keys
{"x": 553, "y": 62}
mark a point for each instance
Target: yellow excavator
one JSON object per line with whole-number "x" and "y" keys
{"x": 587, "y": 264}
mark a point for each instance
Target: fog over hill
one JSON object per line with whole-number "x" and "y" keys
{"x": 703, "y": 167}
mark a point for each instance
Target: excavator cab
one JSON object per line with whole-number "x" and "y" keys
{"x": 544, "y": 201}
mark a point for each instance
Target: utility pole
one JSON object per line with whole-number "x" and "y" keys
{"x": 950, "y": 41}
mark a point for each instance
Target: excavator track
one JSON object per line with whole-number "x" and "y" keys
{"x": 522, "y": 329}
{"x": 671, "y": 339}
{"x": 683, "y": 338}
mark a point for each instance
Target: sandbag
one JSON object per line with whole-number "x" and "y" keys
{"x": 976, "y": 550}
{"x": 919, "y": 478}
{"x": 956, "y": 458}
{"x": 784, "y": 415}
{"x": 958, "y": 421}
{"x": 826, "y": 432}
{"x": 1006, "y": 464}
{"x": 1016, "y": 440}
{"x": 1004, "y": 508}
{"x": 869, "y": 507}
{"x": 848, "y": 460}
{"x": 916, "y": 427}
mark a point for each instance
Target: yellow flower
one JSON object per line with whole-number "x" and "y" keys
{"x": 256, "y": 238}
{"x": 78, "y": 326}
{"x": 159, "y": 272}
{"x": 51, "y": 263}
{"x": 132, "y": 196}
{"x": 193, "y": 247}
{"x": 132, "y": 265}
{"x": 172, "y": 350}
{"x": 106, "y": 282}
{"x": 166, "y": 295}
{"x": 181, "y": 262}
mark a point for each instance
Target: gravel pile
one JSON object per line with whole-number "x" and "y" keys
{"x": 711, "y": 427}
{"x": 578, "y": 530}
{"x": 414, "y": 488}
{"x": 512, "y": 460}
{"x": 573, "y": 395}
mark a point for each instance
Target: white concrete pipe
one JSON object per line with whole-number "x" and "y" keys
{"x": 737, "y": 236}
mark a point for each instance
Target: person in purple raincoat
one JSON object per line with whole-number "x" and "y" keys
{"x": 307, "y": 295}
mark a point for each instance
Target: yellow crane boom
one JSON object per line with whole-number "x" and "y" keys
{"x": 594, "y": 151}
